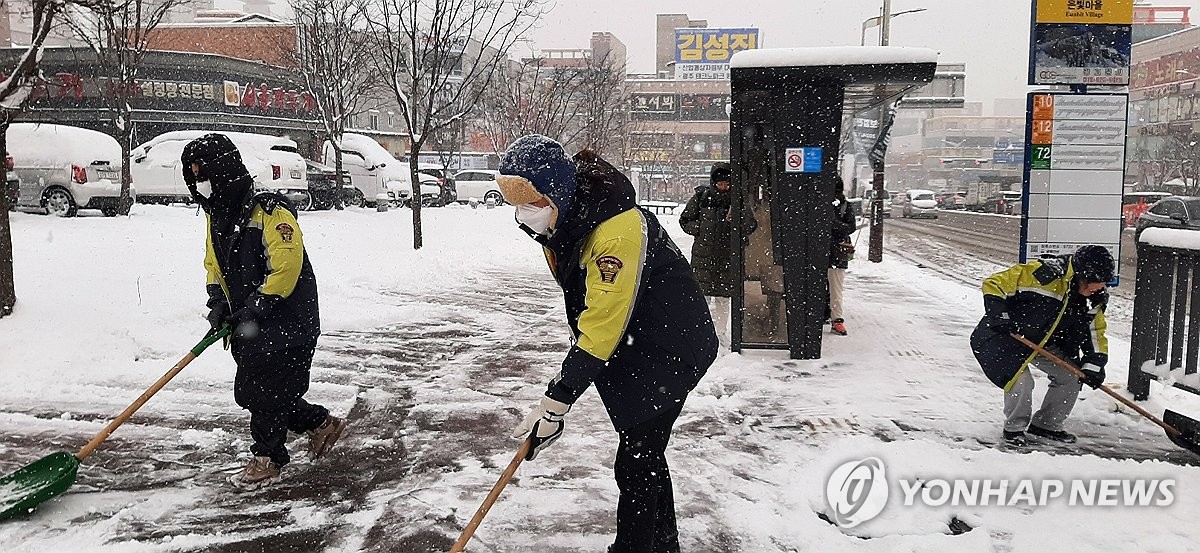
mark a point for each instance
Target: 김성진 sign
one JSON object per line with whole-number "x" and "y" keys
{"x": 1076, "y": 169}
{"x": 704, "y": 53}
{"x": 1081, "y": 42}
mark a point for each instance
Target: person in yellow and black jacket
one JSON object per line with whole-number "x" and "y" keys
{"x": 261, "y": 282}
{"x": 641, "y": 327}
{"x": 1057, "y": 302}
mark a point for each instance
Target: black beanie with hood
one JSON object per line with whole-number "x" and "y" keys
{"x": 221, "y": 164}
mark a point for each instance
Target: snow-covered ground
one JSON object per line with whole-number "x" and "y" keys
{"x": 435, "y": 354}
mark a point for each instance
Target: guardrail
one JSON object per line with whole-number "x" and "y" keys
{"x": 1166, "y": 312}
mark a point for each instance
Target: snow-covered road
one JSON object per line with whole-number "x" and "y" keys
{"x": 434, "y": 355}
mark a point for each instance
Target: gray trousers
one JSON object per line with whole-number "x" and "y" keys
{"x": 1056, "y": 406}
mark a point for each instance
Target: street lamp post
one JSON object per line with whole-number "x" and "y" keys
{"x": 875, "y": 248}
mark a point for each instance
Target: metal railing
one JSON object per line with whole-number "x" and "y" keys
{"x": 1166, "y": 318}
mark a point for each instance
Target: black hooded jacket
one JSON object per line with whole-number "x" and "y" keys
{"x": 255, "y": 254}
{"x": 643, "y": 331}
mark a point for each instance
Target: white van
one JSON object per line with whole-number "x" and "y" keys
{"x": 273, "y": 161}
{"x": 373, "y": 170}
{"x": 63, "y": 169}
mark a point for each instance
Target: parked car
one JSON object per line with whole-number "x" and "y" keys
{"x": 445, "y": 183}
{"x": 373, "y": 170}
{"x": 273, "y": 161}
{"x": 63, "y": 169}
{"x": 1006, "y": 203}
{"x": 1181, "y": 212}
{"x": 479, "y": 184}
{"x": 12, "y": 188}
{"x": 1134, "y": 204}
{"x": 918, "y": 203}
{"x": 323, "y": 185}
{"x": 869, "y": 194}
{"x": 400, "y": 193}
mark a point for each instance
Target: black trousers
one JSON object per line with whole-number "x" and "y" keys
{"x": 646, "y": 508}
{"x": 272, "y": 386}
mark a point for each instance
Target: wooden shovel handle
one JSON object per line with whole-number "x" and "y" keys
{"x": 208, "y": 340}
{"x": 491, "y": 498}
{"x": 1171, "y": 430}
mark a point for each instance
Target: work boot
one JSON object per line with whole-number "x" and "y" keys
{"x": 1015, "y": 438}
{"x": 839, "y": 326}
{"x": 321, "y": 439}
{"x": 259, "y": 472}
{"x": 1056, "y": 435}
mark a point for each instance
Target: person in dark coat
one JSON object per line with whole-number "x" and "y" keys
{"x": 1057, "y": 302}
{"x": 708, "y": 216}
{"x": 642, "y": 332}
{"x": 840, "y": 252}
{"x": 260, "y": 281}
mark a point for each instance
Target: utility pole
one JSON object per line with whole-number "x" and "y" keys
{"x": 875, "y": 250}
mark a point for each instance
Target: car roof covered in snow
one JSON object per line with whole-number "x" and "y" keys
{"x": 832, "y": 55}
{"x": 238, "y": 138}
{"x": 48, "y": 144}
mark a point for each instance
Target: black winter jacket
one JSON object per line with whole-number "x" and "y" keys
{"x": 642, "y": 329}
{"x": 1041, "y": 298}
{"x": 844, "y": 224}
{"x": 258, "y": 260}
{"x": 707, "y": 217}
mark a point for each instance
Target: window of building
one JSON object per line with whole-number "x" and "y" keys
{"x": 373, "y": 120}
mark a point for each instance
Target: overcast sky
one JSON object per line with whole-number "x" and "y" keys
{"x": 990, "y": 36}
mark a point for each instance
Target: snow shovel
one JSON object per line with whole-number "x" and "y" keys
{"x": 491, "y": 498}
{"x": 37, "y": 482}
{"x": 1183, "y": 431}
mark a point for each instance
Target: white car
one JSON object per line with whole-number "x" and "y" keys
{"x": 479, "y": 184}
{"x": 63, "y": 169}
{"x": 916, "y": 203}
{"x": 273, "y": 161}
{"x": 374, "y": 171}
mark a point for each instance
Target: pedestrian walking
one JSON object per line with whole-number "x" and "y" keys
{"x": 642, "y": 332}
{"x": 1057, "y": 302}
{"x": 261, "y": 282}
{"x": 708, "y": 217}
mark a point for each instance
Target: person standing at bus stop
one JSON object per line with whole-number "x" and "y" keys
{"x": 841, "y": 251}
{"x": 708, "y": 217}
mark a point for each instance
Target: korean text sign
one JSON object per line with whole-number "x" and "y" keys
{"x": 712, "y": 45}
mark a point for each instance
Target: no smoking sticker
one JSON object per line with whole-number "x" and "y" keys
{"x": 802, "y": 160}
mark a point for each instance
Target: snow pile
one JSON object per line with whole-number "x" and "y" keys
{"x": 45, "y": 144}
{"x": 832, "y": 55}
{"x": 1171, "y": 238}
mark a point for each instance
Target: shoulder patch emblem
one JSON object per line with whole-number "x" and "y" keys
{"x": 609, "y": 267}
{"x": 285, "y": 231}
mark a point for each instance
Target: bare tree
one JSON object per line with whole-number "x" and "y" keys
{"x": 584, "y": 106}
{"x": 116, "y": 35}
{"x": 332, "y": 58}
{"x": 604, "y": 108}
{"x": 14, "y": 92}
{"x": 437, "y": 57}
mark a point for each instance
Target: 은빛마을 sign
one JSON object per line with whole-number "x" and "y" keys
{"x": 1075, "y": 173}
{"x": 1081, "y": 42}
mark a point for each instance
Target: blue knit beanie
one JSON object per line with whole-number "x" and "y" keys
{"x": 541, "y": 163}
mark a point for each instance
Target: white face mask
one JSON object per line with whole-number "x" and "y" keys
{"x": 536, "y": 218}
{"x": 204, "y": 187}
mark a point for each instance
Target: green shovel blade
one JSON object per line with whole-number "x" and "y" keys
{"x": 35, "y": 483}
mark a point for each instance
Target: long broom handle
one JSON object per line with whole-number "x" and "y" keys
{"x": 208, "y": 340}
{"x": 491, "y": 498}
{"x": 1171, "y": 430}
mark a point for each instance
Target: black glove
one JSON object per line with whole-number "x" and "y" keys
{"x": 217, "y": 314}
{"x": 1001, "y": 324}
{"x": 244, "y": 322}
{"x": 1093, "y": 375}
{"x": 218, "y": 306}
